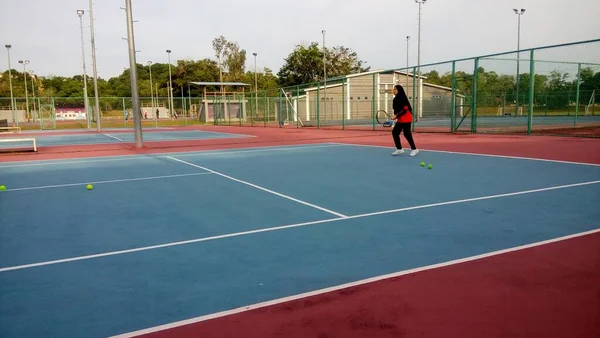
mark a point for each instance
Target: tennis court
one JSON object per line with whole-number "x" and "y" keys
{"x": 168, "y": 237}
{"x": 113, "y": 136}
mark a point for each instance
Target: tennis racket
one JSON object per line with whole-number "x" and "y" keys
{"x": 384, "y": 118}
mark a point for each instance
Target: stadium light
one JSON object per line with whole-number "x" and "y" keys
{"x": 324, "y": 76}
{"x": 519, "y": 13}
{"x": 133, "y": 78}
{"x": 12, "y": 98}
{"x": 151, "y": 91}
{"x": 407, "y": 39}
{"x": 170, "y": 85}
{"x": 255, "y": 87}
{"x": 80, "y": 13}
{"x": 25, "y": 63}
{"x": 95, "y": 69}
{"x": 418, "y": 114}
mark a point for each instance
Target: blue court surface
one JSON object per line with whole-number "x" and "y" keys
{"x": 112, "y": 136}
{"x": 163, "y": 238}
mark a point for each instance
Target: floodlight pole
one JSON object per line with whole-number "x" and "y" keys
{"x": 151, "y": 90}
{"x": 12, "y": 98}
{"x": 519, "y": 14}
{"x": 170, "y": 85}
{"x": 324, "y": 76}
{"x": 80, "y": 13}
{"x": 417, "y": 115}
{"x": 25, "y": 63}
{"x": 407, "y": 39}
{"x": 255, "y": 87}
{"x": 95, "y": 70}
{"x": 32, "y": 77}
{"x": 135, "y": 99}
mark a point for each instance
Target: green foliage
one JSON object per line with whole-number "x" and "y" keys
{"x": 305, "y": 64}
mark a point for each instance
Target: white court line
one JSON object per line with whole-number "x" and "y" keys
{"x": 162, "y": 155}
{"x": 104, "y": 182}
{"x": 116, "y": 138}
{"x": 476, "y": 154}
{"x": 348, "y": 285}
{"x": 259, "y": 187}
{"x": 283, "y": 227}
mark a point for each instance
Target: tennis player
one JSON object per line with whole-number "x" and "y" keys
{"x": 403, "y": 116}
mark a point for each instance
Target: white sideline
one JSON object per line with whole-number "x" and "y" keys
{"x": 345, "y": 286}
{"x": 476, "y": 154}
{"x": 27, "y": 139}
{"x": 283, "y": 227}
{"x": 114, "y": 137}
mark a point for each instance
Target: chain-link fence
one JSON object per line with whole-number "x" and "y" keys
{"x": 550, "y": 89}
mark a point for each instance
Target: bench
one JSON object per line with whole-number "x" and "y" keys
{"x": 16, "y": 130}
{"x": 28, "y": 139}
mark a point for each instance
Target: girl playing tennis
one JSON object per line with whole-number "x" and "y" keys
{"x": 403, "y": 116}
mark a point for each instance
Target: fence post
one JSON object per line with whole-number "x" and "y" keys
{"x": 319, "y": 105}
{"x": 295, "y": 107}
{"x": 414, "y": 95}
{"x": 531, "y": 91}
{"x": 453, "y": 99}
{"x": 344, "y": 104}
{"x": 577, "y": 94}
{"x": 266, "y": 111}
{"x": 373, "y": 104}
{"x": 474, "y": 101}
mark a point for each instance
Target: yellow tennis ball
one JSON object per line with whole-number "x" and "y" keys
{"x": 430, "y": 166}
{"x": 89, "y": 187}
{"x": 2, "y": 188}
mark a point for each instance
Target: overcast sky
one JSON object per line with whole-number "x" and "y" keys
{"x": 47, "y": 31}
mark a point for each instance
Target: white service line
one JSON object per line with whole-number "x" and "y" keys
{"x": 283, "y": 227}
{"x": 116, "y": 138}
{"x": 346, "y": 286}
{"x": 109, "y": 181}
{"x": 260, "y": 188}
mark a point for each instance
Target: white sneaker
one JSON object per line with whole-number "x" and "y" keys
{"x": 398, "y": 152}
{"x": 414, "y": 152}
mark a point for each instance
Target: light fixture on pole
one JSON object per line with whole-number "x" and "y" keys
{"x": 25, "y": 63}
{"x": 32, "y": 77}
{"x": 172, "y": 109}
{"x": 12, "y": 98}
{"x": 419, "y": 108}
{"x": 255, "y": 87}
{"x": 151, "y": 90}
{"x": 407, "y": 39}
{"x": 86, "y": 103}
{"x": 324, "y": 76}
{"x": 93, "y": 41}
{"x": 135, "y": 98}
{"x": 519, "y": 14}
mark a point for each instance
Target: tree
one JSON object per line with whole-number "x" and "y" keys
{"x": 235, "y": 62}
{"x": 305, "y": 64}
{"x": 220, "y": 48}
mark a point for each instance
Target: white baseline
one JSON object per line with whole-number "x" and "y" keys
{"x": 345, "y": 286}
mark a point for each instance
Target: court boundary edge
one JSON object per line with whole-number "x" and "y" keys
{"x": 348, "y": 285}
{"x": 476, "y": 154}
